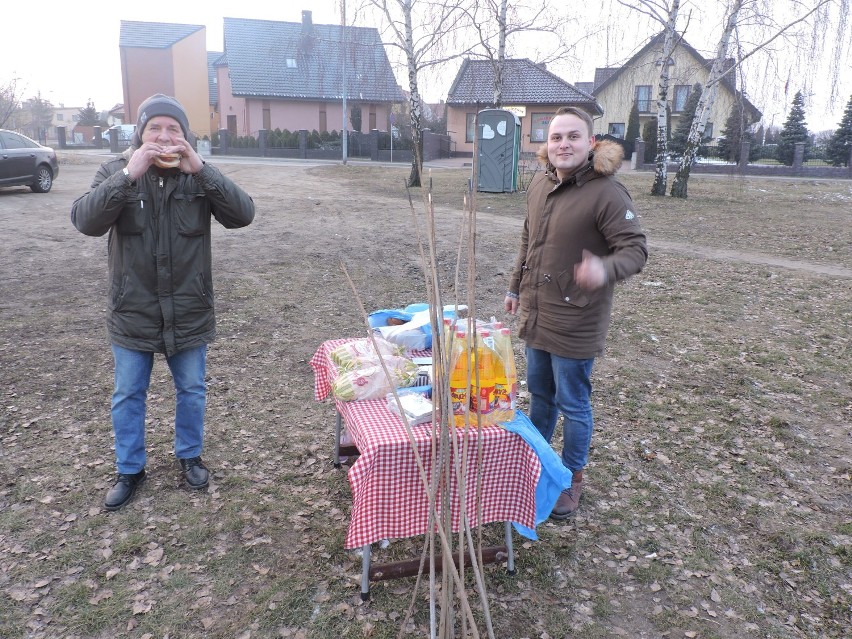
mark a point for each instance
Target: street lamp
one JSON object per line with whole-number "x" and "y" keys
{"x": 344, "y": 134}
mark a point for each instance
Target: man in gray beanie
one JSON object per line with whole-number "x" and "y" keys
{"x": 157, "y": 201}
{"x": 159, "y": 104}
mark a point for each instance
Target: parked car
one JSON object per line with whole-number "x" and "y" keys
{"x": 25, "y": 161}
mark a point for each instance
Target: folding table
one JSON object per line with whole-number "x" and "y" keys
{"x": 389, "y": 500}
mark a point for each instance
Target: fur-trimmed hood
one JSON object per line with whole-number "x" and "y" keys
{"x": 605, "y": 158}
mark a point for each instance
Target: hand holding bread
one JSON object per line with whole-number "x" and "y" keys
{"x": 180, "y": 155}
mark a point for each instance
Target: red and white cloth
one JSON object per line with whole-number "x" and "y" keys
{"x": 389, "y": 499}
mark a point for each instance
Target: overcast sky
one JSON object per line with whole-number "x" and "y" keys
{"x": 70, "y": 54}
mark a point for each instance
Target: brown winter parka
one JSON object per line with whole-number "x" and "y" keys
{"x": 589, "y": 210}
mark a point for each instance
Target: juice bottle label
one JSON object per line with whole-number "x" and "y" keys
{"x": 482, "y": 400}
{"x": 458, "y": 398}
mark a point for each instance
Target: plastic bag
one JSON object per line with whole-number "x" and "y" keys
{"x": 416, "y": 333}
{"x": 370, "y": 382}
{"x": 361, "y": 353}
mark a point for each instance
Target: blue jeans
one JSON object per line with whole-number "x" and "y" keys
{"x": 561, "y": 384}
{"x": 132, "y": 378}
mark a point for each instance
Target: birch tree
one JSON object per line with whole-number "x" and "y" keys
{"x": 425, "y": 33}
{"x": 754, "y": 15}
{"x": 497, "y": 22}
{"x": 666, "y": 14}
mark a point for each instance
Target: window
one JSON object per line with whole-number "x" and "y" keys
{"x": 681, "y": 94}
{"x": 539, "y": 124}
{"x": 643, "y": 98}
{"x": 708, "y": 131}
{"x": 470, "y": 127}
{"x": 616, "y": 129}
{"x": 14, "y": 141}
{"x": 291, "y": 63}
{"x": 60, "y": 117}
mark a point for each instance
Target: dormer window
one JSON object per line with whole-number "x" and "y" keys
{"x": 291, "y": 63}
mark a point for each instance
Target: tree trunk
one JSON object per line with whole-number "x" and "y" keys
{"x": 661, "y": 171}
{"x": 501, "y": 56}
{"x": 702, "y": 111}
{"x": 414, "y": 100}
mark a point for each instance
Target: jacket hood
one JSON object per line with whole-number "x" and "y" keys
{"x": 605, "y": 158}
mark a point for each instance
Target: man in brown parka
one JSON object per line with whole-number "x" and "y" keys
{"x": 581, "y": 236}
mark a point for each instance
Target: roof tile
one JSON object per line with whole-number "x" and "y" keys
{"x": 154, "y": 35}
{"x": 274, "y": 59}
{"x": 525, "y": 83}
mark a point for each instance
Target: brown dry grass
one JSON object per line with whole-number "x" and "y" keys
{"x": 720, "y": 481}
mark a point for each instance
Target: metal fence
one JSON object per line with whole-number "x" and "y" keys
{"x": 748, "y": 159}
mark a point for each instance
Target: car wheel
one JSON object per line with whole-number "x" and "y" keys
{"x": 44, "y": 180}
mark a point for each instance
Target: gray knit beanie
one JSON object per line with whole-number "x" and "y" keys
{"x": 159, "y": 104}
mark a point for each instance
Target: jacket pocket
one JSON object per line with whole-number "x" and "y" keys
{"x": 192, "y": 213}
{"x": 571, "y": 294}
{"x": 134, "y": 216}
{"x": 203, "y": 292}
{"x": 117, "y": 292}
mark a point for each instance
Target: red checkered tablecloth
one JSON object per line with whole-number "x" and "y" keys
{"x": 389, "y": 498}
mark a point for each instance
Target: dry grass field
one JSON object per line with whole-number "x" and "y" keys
{"x": 720, "y": 483}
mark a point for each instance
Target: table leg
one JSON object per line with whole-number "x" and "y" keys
{"x": 510, "y": 565}
{"x": 338, "y": 426}
{"x": 365, "y": 573}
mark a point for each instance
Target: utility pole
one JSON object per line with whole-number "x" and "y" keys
{"x": 344, "y": 131}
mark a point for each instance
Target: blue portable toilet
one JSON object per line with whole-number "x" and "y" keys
{"x": 499, "y": 149}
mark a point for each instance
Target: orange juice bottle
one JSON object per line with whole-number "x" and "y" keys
{"x": 482, "y": 395}
{"x": 502, "y": 386}
{"x": 459, "y": 375}
{"x": 508, "y": 384}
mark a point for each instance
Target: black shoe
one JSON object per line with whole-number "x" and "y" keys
{"x": 195, "y": 472}
{"x": 123, "y": 490}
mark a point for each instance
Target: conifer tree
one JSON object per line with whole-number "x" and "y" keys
{"x": 89, "y": 115}
{"x": 795, "y": 130}
{"x": 649, "y": 134}
{"x": 735, "y": 132}
{"x": 632, "y": 130}
{"x": 840, "y": 145}
{"x": 678, "y": 142}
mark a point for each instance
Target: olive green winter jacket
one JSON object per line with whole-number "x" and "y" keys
{"x": 161, "y": 284}
{"x": 591, "y": 211}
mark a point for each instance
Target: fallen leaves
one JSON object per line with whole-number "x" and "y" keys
{"x": 729, "y": 427}
{"x": 154, "y": 556}
{"x": 100, "y": 595}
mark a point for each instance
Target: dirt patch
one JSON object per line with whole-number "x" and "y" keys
{"x": 719, "y": 484}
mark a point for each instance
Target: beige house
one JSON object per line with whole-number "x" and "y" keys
{"x": 530, "y": 91}
{"x": 159, "y": 57}
{"x": 616, "y": 89}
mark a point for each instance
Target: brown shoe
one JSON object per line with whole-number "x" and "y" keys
{"x": 568, "y": 502}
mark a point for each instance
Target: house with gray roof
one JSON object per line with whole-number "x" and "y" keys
{"x": 291, "y": 75}
{"x": 161, "y": 57}
{"x": 529, "y": 90}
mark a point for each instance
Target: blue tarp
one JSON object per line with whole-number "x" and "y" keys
{"x": 554, "y": 476}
